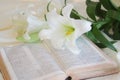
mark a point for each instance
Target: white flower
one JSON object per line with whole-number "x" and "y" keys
{"x": 29, "y": 21}
{"x": 34, "y": 25}
{"x": 29, "y": 32}
{"x": 64, "y": 30}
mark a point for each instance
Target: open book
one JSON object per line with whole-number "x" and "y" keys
{"x": 40, "y": 61}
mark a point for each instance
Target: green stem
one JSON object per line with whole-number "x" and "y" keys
{"x": 65, "y": 2}
{"x": 48, "y": 5}
{"x": 75, "y": 12}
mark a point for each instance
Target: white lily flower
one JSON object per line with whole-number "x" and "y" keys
{"x": 64, "y": 31}
{"x": 30, "y": 30}
{"x": 28, "y": 21}
{"x": 34, "y": 25}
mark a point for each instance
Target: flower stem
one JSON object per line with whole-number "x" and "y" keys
{"x": 76, "y": 13}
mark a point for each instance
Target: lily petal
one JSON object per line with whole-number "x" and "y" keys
{"x": 34, "y": 25}
{"x": 67, "y": 10}
{"x": 82, "y": 26}
{"x": 53, "y": 19}
{"x": 57, "y": 39}
{"x": 72, "y": 46}
{"x": 63, "y": 31}
{"x": 44, "y": 34}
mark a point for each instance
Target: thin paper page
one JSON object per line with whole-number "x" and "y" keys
{"x": 24, "y": 67}
{"x": 44, "y": 59}
{"x": 88, "y": 55}
{"x": 90, "y": 62}
{"x": 33, "y": 62}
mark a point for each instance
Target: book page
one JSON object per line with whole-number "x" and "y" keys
{"x": 46, "y": 61}
{"x": 90, "y": 62}
{"x": 33, "y": 63}
{"x": 90, "y": 55}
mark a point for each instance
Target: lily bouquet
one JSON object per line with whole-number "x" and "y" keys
{"x": 60, "y": 23}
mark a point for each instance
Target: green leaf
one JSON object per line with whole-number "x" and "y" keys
{"x": 103, "y": 46}
{"x": 74, "y": 14}
{"x": 100, "y": 12}
{"x": 91, "y": 36}
{"x": 114, "y": 14}
{"x": 34, "y": 38}
{"x": 116, "y": 31}
{"x": 99, "y": 24}
{"x": 118, "y": 9}
{"x": 107, "y": 28}
{"x": 107, "y": 4}
{"x": 99, "y": 36}
{"x": 104, "y": 20}
{"x": 91, "y": 9}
